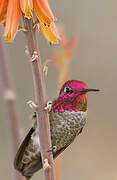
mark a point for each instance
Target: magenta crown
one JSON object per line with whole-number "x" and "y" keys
{"x": 72, "y": 97}
{"x": 75, "y": 85}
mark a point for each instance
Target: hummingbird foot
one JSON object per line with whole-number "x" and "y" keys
{"x": 48, "y": 106}
{"x": 34, "y": 115}
{"x": 46, "y": 164}
{"x": 34, "y": 56}
{"x": 52, "y": 149}
{"x": 32, "y": 105}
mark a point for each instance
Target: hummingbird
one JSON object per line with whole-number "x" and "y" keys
{"x": 67, "y": 118}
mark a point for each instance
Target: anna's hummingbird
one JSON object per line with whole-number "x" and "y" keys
{"x": 67, "y": 119}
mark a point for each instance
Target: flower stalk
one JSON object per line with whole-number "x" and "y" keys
{"x": 10, "y": 101}
{"x": 40, "y": 98}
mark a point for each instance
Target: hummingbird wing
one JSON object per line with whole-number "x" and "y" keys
{"x": 28, "y": 160}
{"x": 29, "y": 168}
{"x": 24, "y": 157}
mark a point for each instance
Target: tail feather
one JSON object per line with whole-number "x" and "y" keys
{"x": 28, "y": 177}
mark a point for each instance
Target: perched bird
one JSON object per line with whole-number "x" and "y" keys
{"x": 67, "y": 119}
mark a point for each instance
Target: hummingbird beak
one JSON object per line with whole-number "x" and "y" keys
{"x": 88, "y": 90}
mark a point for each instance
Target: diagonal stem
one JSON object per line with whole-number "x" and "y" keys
{"x": 9, "y": 97}
{"x": 40, "y": 98}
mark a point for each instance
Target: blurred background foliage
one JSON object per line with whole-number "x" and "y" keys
{"x": 93, "y": 154}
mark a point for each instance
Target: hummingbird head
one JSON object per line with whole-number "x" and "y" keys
{"x": 72, "y": 97}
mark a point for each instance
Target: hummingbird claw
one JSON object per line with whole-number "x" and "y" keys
{"x": 52, "y": 149}
{"x": 48, "y": 106}
{"x": 32, "y": 105}
{"x": 34, "y": 56}
{"x": 34, "y": 115}
{"x": 46, "y": 164}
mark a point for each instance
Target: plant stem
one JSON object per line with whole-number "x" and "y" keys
{"x": 40, "y": 98}
{"x": 9, "y": 97}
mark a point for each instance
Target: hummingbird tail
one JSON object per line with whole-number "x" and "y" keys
{"x": 27, "y": 178}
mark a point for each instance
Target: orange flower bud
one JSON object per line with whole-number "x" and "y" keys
{"x": 50, "y": 32}
{"x": 12, "y": 19}
{"x": 43, "y": 11}
{"x": 3, "y": 8}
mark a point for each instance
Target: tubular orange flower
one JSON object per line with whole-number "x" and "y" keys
{"x": 12, "y": 10}
{"x": 57, "y": 60}
{"x": 62, "y": 58}
{"x": 26, "y": 7}
{"x": 62, "y": 34}
{"x": 3, "y": 8}
{"x": 70, "y": 47}
{"x": 12, "y": 19}
{"x": 43, "y": 11}
{"x": 49, "y": 32}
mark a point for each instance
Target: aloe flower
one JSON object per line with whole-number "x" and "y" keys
{"x": 10, "y": 13}
{"x": 63, "y": 57}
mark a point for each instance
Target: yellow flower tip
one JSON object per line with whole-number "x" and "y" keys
{"x": 54, "y": 42}
{"x": 8, "y": 38}
{"x": 28, "y": 16}
{"x": 28, "y": 13}
{"x": 49, "y": 32}
{"x": 26, "y": 7}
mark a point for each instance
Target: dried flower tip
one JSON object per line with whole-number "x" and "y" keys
{"x": 34, "y": 56}
{"x": 26, "y": 50}
{"x": 32, "y": 105}
{"x": 35, "y": 24}
{"x": 9, "y": 95}
{"x": 45, "y": 70}
{"x": 45, "y": 67}
{"x": 21, "y": 28}
{"x": 46, "y": 164}
{"x": 48, "y": 106}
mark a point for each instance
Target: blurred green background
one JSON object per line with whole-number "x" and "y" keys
{"x": 93, "y": 154}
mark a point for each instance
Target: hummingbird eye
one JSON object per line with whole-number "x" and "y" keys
{"x": 68, "y": 90}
